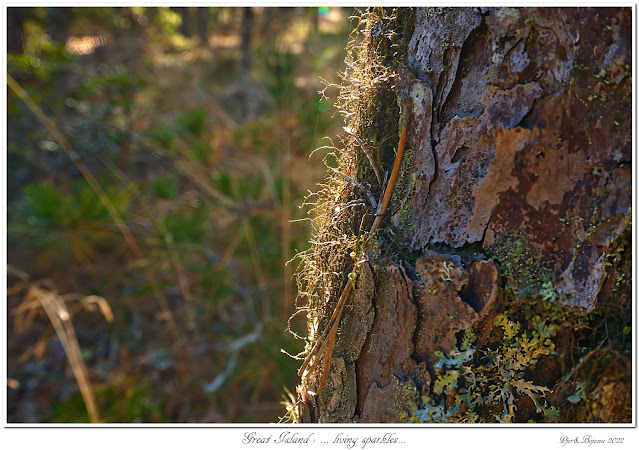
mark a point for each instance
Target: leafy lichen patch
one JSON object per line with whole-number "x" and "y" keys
{"x": 487, "y": 384}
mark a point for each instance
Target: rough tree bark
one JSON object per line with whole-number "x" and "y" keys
{"x": 514, "y": 197}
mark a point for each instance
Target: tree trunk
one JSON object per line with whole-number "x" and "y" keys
{"x": 185, "y": 13}
{"x": 498, "y": 288}
{"x": 246, "y": 32}
{"x": 15, "y": 29}
{"x": 203, "y": 16}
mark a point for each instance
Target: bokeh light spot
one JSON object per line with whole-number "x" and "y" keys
{"x": 324, "y": 104}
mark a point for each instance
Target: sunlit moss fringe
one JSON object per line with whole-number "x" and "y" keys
{"x": 341, "y": 212}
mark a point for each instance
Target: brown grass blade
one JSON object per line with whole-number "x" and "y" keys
{"x": 60, "y": 318}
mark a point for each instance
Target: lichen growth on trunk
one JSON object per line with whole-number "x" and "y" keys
{"x": 510, "y": 219}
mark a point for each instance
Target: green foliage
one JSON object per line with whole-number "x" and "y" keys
{"x": 52, "y": 60}
{"x": 166, "y": 187}
{"x": 74, "y": 222}
{"x": 186, "y": 226}
{"x": 193, "y": 121}
{"x": 128, "y": 400}
{"x": 472, "y": 383}
{"x": 246, "y": 187}
{"x": 216, "y": 285}
{"x": 167, "y": 20}
{"x": 199, "y": 152}
{"x": 117, "y": 86}
{"x": 163, "y": 136}
{"x": 222, "y": 181}
{"x": 280, "y": 68}
{"x": 54, "y": 207}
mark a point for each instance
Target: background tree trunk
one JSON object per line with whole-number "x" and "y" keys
{"x": 514, "y": 200}
{"x": 203, "y": 16}
{"x": 15, "y": 29}
{"x": 245, "y": 46}
{"x": 185, "y": 28}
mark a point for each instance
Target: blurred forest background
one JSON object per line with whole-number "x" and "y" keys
{"x": 146, "y": 255}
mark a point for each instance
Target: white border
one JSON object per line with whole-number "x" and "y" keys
{"x": 521, "y": 436}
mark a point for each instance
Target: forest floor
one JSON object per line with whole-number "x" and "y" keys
{"x": 180, "y": 308}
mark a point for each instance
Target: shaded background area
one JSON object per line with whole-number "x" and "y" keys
{"x": 197, "y": 124}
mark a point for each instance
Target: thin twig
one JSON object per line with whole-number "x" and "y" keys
{"x": 319, "y": 343}
{"x": 391, "y": 181}
{"x": 368, "y": 154}
{"x": 357, "y": 184}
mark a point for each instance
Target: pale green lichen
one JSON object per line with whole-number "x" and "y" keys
{"x": 547, "y": 291}
{"x": 477, "y": 385}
